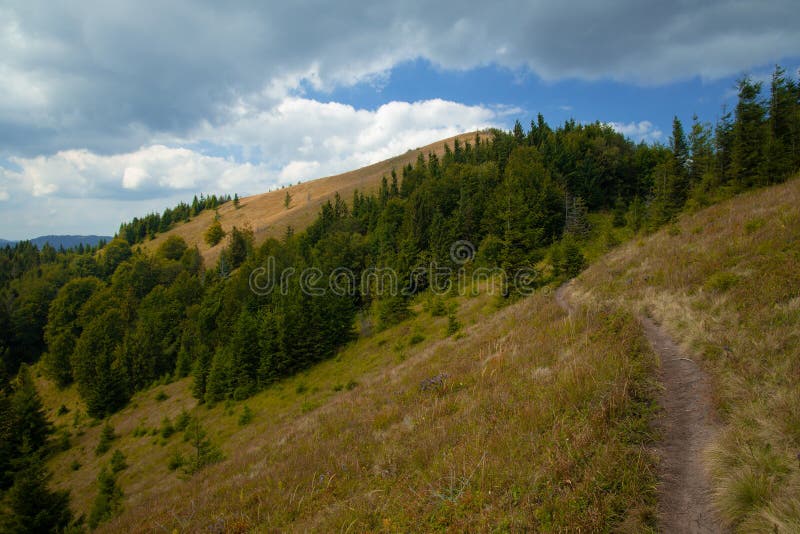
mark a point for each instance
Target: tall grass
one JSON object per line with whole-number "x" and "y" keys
{"x": 726, "y": 281}
{"x": 541, "y": 423}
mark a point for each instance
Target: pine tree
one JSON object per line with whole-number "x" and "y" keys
{"x": 31, "y": 426}
{"x": 287, "y": 200}
{"x": 29, "y": 505}
{"x": 749, "y": 135}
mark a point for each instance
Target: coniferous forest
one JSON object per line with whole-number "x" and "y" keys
{"x": 115, "y": 320}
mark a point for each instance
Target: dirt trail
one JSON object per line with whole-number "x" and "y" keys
{"x": 687, "y": 427}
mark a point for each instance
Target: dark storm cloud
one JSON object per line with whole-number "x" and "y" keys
{"x": 109, "y": 76}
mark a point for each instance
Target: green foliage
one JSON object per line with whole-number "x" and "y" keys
{"x": 204, "y": 452}
{"x": 118, "y": 462}
{"x": 176, "y": 460}
{"x": 64, "y": 327}
{"x": 246, "y": 416}
{"x": 161, "y": 396}
{"x": 107, "y": 435}
{"x": 453, "y": 325}
{"x": 29, "y": 506}
{"x": 573, "y": 261}
{"x": 109, "y": 498}
{"x": 173, "y": 248}
{"x": 214, "y": 233}
{"x": 415, "y": 339}
{"x": 182, "y": 421}
{"x": 287, "y": 200}
{"x": 167, "y": 429}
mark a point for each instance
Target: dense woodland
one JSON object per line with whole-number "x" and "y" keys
{"x": 114, "y": 321}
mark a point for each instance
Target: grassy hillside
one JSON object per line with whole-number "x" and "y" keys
{"x": 267, "y": 215}
{"x": 541, "y": 420}
{"x": 726, "y": 283}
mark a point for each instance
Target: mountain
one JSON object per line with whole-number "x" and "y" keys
{"x": 66, "y": 241}
{"x": 267, "y": 215}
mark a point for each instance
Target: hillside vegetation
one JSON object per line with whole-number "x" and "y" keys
{"x": 532, "y": 420}
{"x": 725, "y": 281}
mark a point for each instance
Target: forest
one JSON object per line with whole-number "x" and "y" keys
{"x": 115, "y": 320}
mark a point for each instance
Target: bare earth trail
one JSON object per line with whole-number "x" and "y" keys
{"x": 687, "y": 427}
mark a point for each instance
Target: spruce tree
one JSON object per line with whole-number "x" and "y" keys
{"x": 30, "y": 506}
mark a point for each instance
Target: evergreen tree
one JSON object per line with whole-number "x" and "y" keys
{"x": 749, "y": 135}
{"x": 109, "y": 498}
{"x": 214, "y": 233}
{"x": 31, "y": 426}
{"x": 30, "y": 506}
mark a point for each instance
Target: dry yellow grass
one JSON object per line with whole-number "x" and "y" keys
{"x": 725, "y": 281}
{"x": 541, "y": 424}
{"x": 266, "y": 215}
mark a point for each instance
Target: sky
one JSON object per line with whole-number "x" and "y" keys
{"x": 115, "y": 109}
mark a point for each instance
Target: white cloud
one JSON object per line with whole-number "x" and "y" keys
{"x": 638, "y": 131}
{"x": 110, "y": 76}
{"x": 298, "y": 138}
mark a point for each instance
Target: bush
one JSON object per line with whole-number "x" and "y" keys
{"x": 176, "y": 460}
{"x": 106, "y": 437}
{"x": 161, "y": 396}
{"x": 166, "y": 428}
{"x": 453, "y": 325}
{"x": 246, "y": 417}
{"x": 118, "y": 462}
{"x": 416, "y": 338}
{"x": 182, "y": 421}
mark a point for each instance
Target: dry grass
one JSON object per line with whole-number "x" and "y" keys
{"x": 542, "y": 424}
{"x": 726, "y": 282}
{"x": 267, "y": 216}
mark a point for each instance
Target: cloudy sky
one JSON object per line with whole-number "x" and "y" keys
{"x": 110, "y": 109}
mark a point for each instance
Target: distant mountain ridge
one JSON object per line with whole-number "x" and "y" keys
{"x": 66, "y": 241}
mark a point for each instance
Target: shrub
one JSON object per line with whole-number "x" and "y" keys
{"x": 182, "y": 420}
{"x": 106, "y": 437}
{"x": 161, "y": 396}
{"x": 246, "y": 417}
{"x": 166, "y": 428}
{"x": 176, "y": 460}
{"x": 453, "y": 325}
{"x": 118, "y": 462}
{"x": 416, "y": 338}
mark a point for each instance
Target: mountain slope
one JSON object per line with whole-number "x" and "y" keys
{"x": 267, "y": 215}
{"x": 530, "y": 419}
{"x": 725, "y": 283}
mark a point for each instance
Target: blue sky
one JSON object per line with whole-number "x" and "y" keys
{"x": 110, "y": 110}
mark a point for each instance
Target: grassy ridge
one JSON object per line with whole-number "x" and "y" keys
{"x": 266, "y": 214}
{"x": 541, "y": 423}
{"x": 726, "y": 282}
